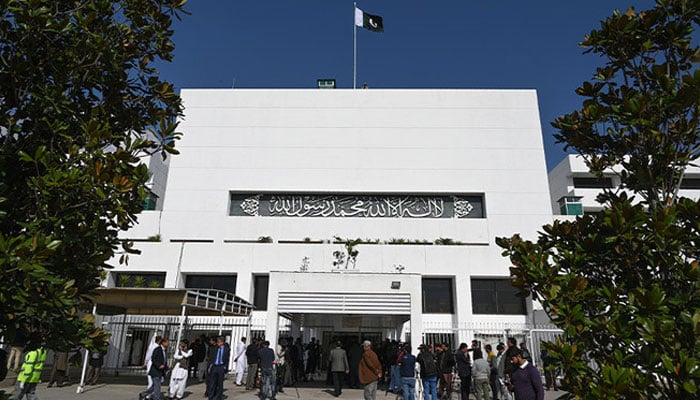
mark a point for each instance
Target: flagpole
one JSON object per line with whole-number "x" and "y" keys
{"x": 354, "y": 47}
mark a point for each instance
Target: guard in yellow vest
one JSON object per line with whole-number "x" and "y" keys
{"x": 30, "y": 373}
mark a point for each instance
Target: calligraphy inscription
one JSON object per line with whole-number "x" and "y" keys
{"x": 361, "y": 206}
{"x": 351, "y": 206}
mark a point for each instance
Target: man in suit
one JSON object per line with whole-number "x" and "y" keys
{"x": 339, "y": 367}
{"x": 218, "y": 368}
{"x": 147, "y": 359}
{"x": 464, "y": 370}
{"x": 157, "y": 371}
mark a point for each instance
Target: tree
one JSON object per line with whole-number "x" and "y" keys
{"x": 81, "y": 105}
{"x": 624, "y": 284}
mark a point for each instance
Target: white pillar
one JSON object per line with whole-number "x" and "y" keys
{"x": 416, "y": 313}
{"x": 272, "y": 321}
{"x": 182, "y": 322}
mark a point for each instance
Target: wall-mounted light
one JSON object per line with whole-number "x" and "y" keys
{"x": 396, "y": 284}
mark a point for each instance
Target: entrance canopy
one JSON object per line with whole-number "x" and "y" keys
{"x": 345, "y": 302}
{"x": 197, "y": 302}
{"x": 141, "y": 301}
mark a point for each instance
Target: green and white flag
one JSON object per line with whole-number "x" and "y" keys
{"x": 374, "y": 23}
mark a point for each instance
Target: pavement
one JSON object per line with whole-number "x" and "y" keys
{"x": 128, "y": 388}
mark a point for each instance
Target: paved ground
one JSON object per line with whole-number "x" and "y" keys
{"x": 128, "y": 387}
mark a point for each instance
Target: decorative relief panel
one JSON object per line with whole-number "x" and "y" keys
{"x": 356, "y": 205}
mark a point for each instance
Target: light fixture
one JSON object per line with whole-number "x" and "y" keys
{"x": 396, "y": 284}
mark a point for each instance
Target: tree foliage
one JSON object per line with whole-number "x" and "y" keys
{"x": 81, "y": 105}
{"x": 624, "y": 284}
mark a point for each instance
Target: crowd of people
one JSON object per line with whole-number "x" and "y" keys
{"x": 193, "y": 360}
{"x": 506, "y": 374}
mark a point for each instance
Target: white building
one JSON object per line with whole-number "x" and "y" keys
{"x": 574, "y": 188}
{"x": 268, "y": 180}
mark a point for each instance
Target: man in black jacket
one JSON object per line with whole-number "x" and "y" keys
{"x": 211, "y": 354}
{"x": 464, "y": 370}
{"x": 251, "y": 354}
{"x": 510, "y": 352}
{"x": 159, "y": 367}
{"x": 445, "y": 365}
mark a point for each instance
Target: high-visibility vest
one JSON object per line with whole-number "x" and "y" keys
{"x": 33, "y": 364}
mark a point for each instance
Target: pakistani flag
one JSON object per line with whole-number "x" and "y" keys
{"x": 372, "y": 22}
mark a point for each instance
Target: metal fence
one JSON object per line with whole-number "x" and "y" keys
{"x": 131, "y": 334}
{"x": 492, "y": 333}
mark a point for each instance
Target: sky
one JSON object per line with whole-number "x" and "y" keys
{"x": 462, "y": 44}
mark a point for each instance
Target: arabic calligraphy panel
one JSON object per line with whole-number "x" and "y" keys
{"x": 356, "y": 205}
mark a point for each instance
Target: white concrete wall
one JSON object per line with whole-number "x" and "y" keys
{"x": 561, "y": 183}
{"x": 350, "y": 141}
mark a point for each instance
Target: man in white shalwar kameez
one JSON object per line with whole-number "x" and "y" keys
{"x": 179, "y": 373}
{"x": 241, "y": 361}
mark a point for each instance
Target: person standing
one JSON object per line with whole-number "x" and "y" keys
{"x": 502, "y": 392}
{"x": 464, "y": 370}
{"x": 211, "y": 355}
{"x": 94, "y": 369}
{"x": 159, "y": 367}
{"x": 313, "y": 350}
{"x": 446, "y": 367}
{"x": 199, "y": 355}
{"x": 251, "y": 354}
{"x": 16, "y": 349}
{"x": 339, "y": 367}
{"x": 217, "y": 370}
{"x": 267, "y": 365}
{"x": 178, "y": 376}
{"x": 391, "y": 357}
{"x": 493, "y": 375}
{"x": 407, "y": 371}
{"x": 370, "y": 371}
{"x": 354, "y": 357}
{"x": 147, "y": 359}
{"x": 59, "y": 368}
{"x": 281, "y": 351}
{"x": 481, "y": 373}
{"x": 30, "y": 373}
{"x": 526, "y": 352}
{"x": 550, "y": 376}
{"x": 429, "y": 372}
{"x": 525, "y": 380}
{"x": 512, "y": 349}
{"x": 240, "y": 359}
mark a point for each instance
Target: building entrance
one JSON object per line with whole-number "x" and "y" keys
{"x": 348, "y": 339}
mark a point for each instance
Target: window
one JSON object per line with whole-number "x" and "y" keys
{"x": 260, "y": 285}
{"x": 220, "y": 282}
{"x": 139, "y": 280}
{"x": 437, "y": 296}
{"x": 690, "y": 183}
{"x": 496, "y": 296}
{"x": 150, "y": 202}
{"x": 593, "y": 183}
